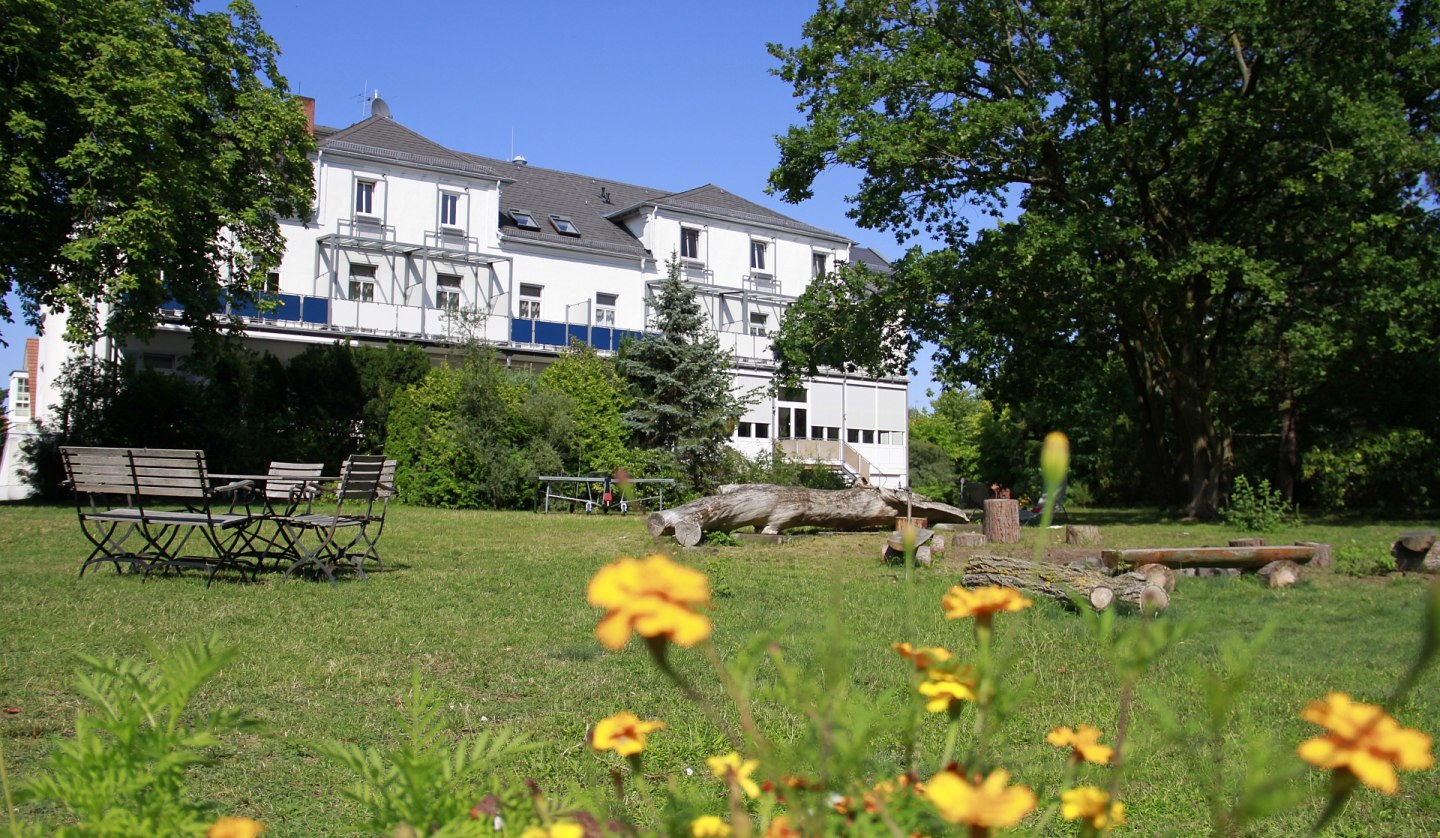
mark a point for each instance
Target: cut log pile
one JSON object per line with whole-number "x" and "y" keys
{"x": 774, "y": 509}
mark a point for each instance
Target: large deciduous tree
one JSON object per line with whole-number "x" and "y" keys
{"x": 1193, "y": 188}
{"x": 146, "y": 155}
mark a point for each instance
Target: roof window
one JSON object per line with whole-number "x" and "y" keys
{"x": 564, "y": 226}
{"x": 524, "y": 219}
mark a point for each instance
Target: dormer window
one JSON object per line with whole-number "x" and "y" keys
{"x": 524, "y": 220}
{"x": 364, "y": 197}
{"x": 757, "y": 255}
{"x": 449, "y": 209}
{"x": 564, "y": 226}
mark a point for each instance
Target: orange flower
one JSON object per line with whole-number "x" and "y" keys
{"x": 986, "y": 805}
{"x": 982, "y": 603}
{"x": 923, "y": 657}
{"x": 780, "y": 828}
{"x": 1364, "y": 740}
{"x": 944, "y": 689}
{"x": 653, "y": 596}
{"x": 1093, "y": 806}
{"x": 623, "y": 733}
{"x": 732, "y": 768}
{"x": 231, "y": 826}
{"x": 1085, "y": 740}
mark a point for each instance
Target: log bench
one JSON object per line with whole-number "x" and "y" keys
{"x": 1243, "y": 558}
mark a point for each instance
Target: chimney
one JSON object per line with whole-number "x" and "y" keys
{"x": 308, "y": 105}
{"x": 32, "y": 366}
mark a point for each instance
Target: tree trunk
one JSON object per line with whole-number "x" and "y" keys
{"x": 1062, "y": 583}
{"x": 1288, "y": 468}
{"x": 1002, "y": 521}
{"x": 776, "y": 508}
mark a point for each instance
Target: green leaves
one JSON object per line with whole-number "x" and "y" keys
{"x": 424, "y": 783}
{"x": 124, "y": 772}
{"x": 138, "y": 132}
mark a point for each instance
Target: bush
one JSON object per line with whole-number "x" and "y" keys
{"x": 1355, "y": 560}
{"x": 1361, "y": 471}
{"x": 1258, "y": 508}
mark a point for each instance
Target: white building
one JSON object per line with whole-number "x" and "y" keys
{"x": 406, "y": 233}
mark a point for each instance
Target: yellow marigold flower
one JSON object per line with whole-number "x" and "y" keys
{"x": 923, "y": 657}
{"x": 1364, "y": 739}
{"x": 944, "y": 688}
{"x": 231, "y": 826}
{"x": 1092, "y": 805}
{"x": 709, "y": 826}
{"x": 780, "y": 828}
{"x": 988, "y": 804}
{"x": 982, "y": 603}
{"x": 732, "y": 768}
{"x": 563, "y": 829}
{"x": 624, "y": 733}
{"x": 1085, "y": 742}
{"x": 653, "y": 596}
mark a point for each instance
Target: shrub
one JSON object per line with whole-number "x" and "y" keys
{"x": 1256, "y": 507}
{"x": 1361, "y": 471}
{"x": 1355, "y": 560}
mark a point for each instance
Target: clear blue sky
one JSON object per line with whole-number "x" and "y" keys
{"x": 669, "y": 95}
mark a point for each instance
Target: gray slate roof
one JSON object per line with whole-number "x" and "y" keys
{"x": 387, "y": 139}
{"x": 870, "y": 259}
{"x": 596, "y": 206}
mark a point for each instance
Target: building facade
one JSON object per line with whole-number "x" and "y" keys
{"x": 414, "y": 242}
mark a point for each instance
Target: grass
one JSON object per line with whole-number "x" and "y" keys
{"x": 490, "y": 608}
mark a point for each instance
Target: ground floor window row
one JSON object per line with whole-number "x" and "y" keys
{"x": 787, "y": 430}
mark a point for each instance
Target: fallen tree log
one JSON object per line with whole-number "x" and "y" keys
{"x": 1244, "y": 558}
{"x": 1063, "y": 583}
{"x": 774, "y": 509}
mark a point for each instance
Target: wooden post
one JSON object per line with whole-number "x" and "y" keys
{"x": 1322, "y": 553}
{"x": 1082, "y": 534}
{"x": 1002, "y": 521}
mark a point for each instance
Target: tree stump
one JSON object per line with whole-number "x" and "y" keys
{"x": 1323, "y": 557}
{"x": 1083, "y": 535}
{"x": 1155, "y": 574}
{"x": 1247, "y": 542}
{"x": 1002, "y": 521}
{"x": 1279, "y": 574}
{"x": 1062, "y": 583}
{"x": 1412, "y": 548}
{"x": 967, "y": 539}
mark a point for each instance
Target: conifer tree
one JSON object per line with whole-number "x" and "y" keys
{"x": 678, "y": 377}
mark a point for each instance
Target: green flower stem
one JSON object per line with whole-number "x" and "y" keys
{"x": 658, "y": 647}
{"x": 643, "y": 787}
{"x": 9, "y": 803}
{"x": 1429, "y": 646}
{"x": 1072, "y": 770}
{"x": 741, "y": 697}
{"x": 951, "y": 735}
{"x": 1342, "y": 785}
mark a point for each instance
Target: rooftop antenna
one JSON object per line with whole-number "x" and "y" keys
{"x": 364, "y": 99}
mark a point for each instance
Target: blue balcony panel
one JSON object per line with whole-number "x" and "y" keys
{"x": 315, "y": 310}
{"x": 287, "y": 307}
{"x": 522, "y": 331}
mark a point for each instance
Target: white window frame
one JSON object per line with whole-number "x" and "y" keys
{"x": 692, "y": 233}
{"x": 530, "y": 297}
{"x": 759, "y": 251}
{"x": 524, "y": 219}
{"x": 364, "y": 193}
{"x": 22, "y": 394}
{"x": 449, "y": 292}
{"x": 605, "y": 309}
{"x": 452, "y": 198}
{"x": 759, "y": 324}
{"x": 819, "y": 260}
{"x": 362, "y": 283}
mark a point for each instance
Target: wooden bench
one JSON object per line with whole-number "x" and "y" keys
{"x": 142, "y": 506}
{"x": 1244, "y": 558}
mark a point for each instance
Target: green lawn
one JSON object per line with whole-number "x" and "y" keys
{"x": 490, "y": 608}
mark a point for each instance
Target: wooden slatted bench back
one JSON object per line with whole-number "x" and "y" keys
{"x": 169, "y": 473}
{"x": 98, "y": 471}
